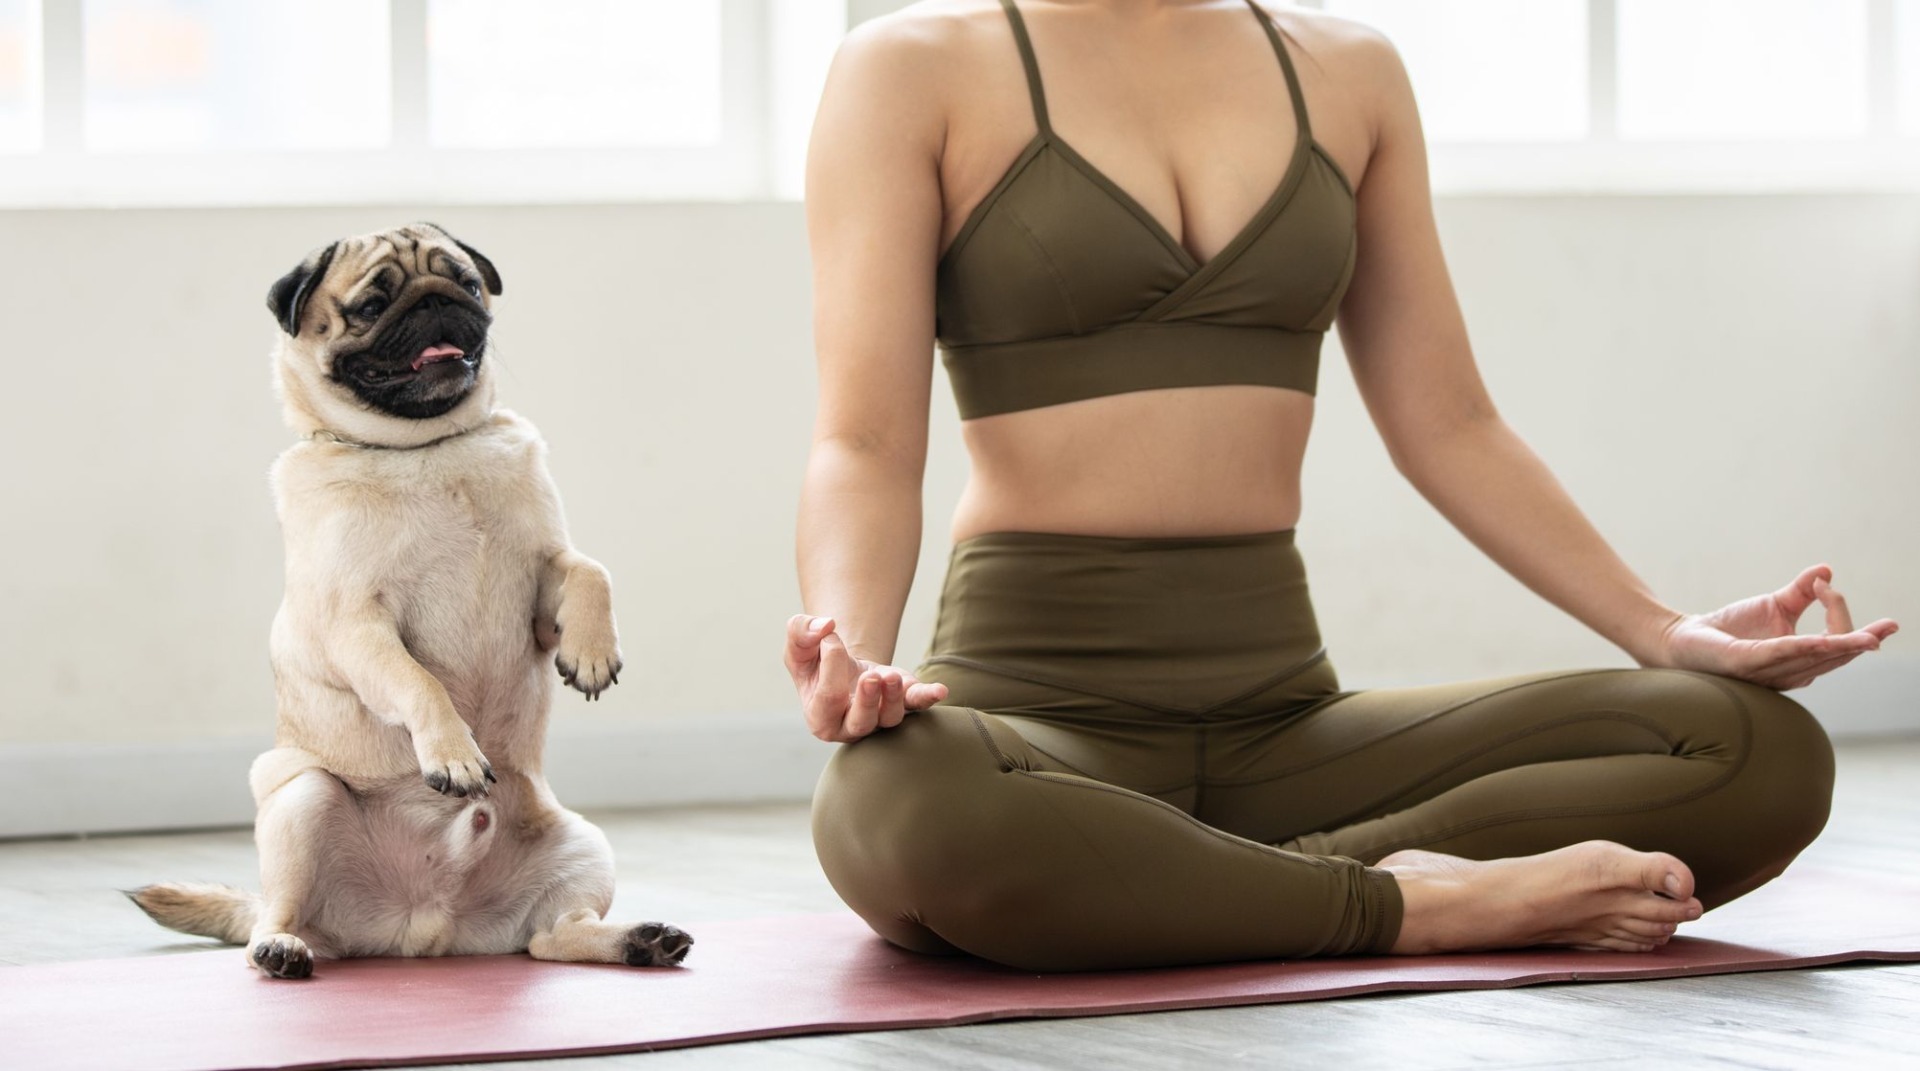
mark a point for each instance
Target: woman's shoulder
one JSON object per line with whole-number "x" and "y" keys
{"x": 1322, "y": 35}
{"x": 926, "y": 40}
{"x": 904, "y": 75}
{"x": 1352, "y": 57}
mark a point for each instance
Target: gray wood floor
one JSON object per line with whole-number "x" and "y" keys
{"x": 58, "y": 901}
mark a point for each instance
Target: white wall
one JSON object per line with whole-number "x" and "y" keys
{"x": 1729, "y": 385}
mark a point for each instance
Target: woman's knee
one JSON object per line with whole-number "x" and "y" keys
{"x": 1789, "y": 767}
{"x": 1769, "y": 776}
{"x": 910, "y": 810}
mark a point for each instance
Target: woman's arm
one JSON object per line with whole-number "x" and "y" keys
{"x": 873, "y": 223}
{"x": 1401, "y": 326}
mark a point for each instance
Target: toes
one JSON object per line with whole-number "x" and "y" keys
{"x": 1666, "y": 875}
{"x": 1647, "y": 929}
{"x": 462, "y": 779}
{"x": 1651, "y": 909}
{"x": 588, "y": 674}
{"x": 283, "y": 956}
{"x": 656, "y": 944}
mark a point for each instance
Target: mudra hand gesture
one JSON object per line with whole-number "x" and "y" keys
{"x": 846, "y": 697}
{"x": 1754, "y": 639}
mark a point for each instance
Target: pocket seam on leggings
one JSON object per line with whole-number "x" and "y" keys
{"x": 1006, "y": 765}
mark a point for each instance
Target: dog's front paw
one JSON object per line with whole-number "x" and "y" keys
{"x": 452, "y": 764}
{"x": 282, "y": 955}
{"x": 589, "y": 658}
{"x": 656, "y": 944}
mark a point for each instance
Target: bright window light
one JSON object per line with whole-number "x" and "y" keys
{"x": 19, "y": 75}
{"x": 1906, "y": 35}
{"x": 573, "y": 73}
{"x": 1489, "y": 70}
{"x": 165, "y": 75}
{"x": 1742, "y": 69}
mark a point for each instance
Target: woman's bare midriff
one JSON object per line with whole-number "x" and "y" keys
{"x": 1188, "y": 461}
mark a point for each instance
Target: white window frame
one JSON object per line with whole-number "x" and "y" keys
{"x": 765, "y": 65}
{"x": 1603, "y": 163}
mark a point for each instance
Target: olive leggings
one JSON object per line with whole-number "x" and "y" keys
{"x": 1145, "y": 759}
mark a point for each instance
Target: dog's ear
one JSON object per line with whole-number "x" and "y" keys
{"x": 488, "y": 273}
{"x": 287, "y": 299}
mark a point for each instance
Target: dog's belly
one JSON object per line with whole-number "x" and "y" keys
{"x": 417, "y": 874}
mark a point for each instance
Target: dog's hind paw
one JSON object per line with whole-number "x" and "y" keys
{"x": 656, "y": 944}
{"x": 282, "y": 955}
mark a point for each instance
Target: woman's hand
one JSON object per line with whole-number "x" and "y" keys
{"x": 846, "y": 698}
{"x": 1754, "y": 639}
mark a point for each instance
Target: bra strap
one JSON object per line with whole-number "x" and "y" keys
{"x": 1286, "y": 65}
{"x": 1032, "y": 65}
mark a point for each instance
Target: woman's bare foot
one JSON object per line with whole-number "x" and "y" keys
{"x": 1593, "y": 895}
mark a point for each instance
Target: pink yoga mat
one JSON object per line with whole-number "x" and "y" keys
{"x": 800, "y": 974}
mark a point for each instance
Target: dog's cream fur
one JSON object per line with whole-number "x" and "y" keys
{"x": 430, "y": 586}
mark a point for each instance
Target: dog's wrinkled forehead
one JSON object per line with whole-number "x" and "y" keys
{"x": 400, "y": 254}
{"x": 385, "y": 263}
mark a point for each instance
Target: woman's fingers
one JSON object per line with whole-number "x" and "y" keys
{"x": 921, "y": 696}
{"x": 1758, "y": 657}
{"x": 828, "y": 690}
{"x": 846, "y": 699}
{"x": 1838, "y": 619}
{"x": 863, "y": 712}
{"x": 1794, "y": 599}
{"x": 1809, "y": 674}
{"x": 893, "y": 707}
{"x": 804, "y": 634}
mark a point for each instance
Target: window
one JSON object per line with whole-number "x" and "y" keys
{"x": 1661, "y": 94}
{"x": 1906, "y": 48}
{"x": 1466, "y": 81}
{"x": 176, "y": 102}
{"x": 1738, "y": 69}
{"x": 19, "y": 75}
{"x": 236, "y": 74}
{"x": 509, "y": 74}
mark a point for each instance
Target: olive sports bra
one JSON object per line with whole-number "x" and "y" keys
{"x": 1061, "y": 287}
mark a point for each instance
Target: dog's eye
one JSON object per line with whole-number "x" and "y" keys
{"x": 371, "y": 308}
{"x": 472, "y": 285}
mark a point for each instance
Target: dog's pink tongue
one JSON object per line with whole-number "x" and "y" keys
{"x": 437, "y": 353}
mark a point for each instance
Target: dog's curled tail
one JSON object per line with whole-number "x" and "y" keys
{"x": 218, "y": 911}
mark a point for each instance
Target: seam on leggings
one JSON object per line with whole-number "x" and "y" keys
{"x": 1412, "y": 725}
{"x": 1056, "y": 758}
{"x": 1282, "y": 676}
{"x": 1049, "y": 681}
{"x": 1594, "y": 714}
{"x": 1744, "y": 718}
{"x": 1006, "y": 764}
{"x": 1217, "y": 834}
{"x": 987, "y": 739}
{"x": 1402, "y": 791}
{"x": 1199, "y": 770}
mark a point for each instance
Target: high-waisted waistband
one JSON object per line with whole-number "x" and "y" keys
{"x": 1193, "y": 628}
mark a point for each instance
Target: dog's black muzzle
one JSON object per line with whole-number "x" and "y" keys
{"x": 423, "y": 363}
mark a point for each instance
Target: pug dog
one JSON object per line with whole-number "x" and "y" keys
{"x": 429, "y": 585}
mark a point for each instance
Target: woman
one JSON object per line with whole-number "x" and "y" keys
{"x": 1126, "y": 746}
